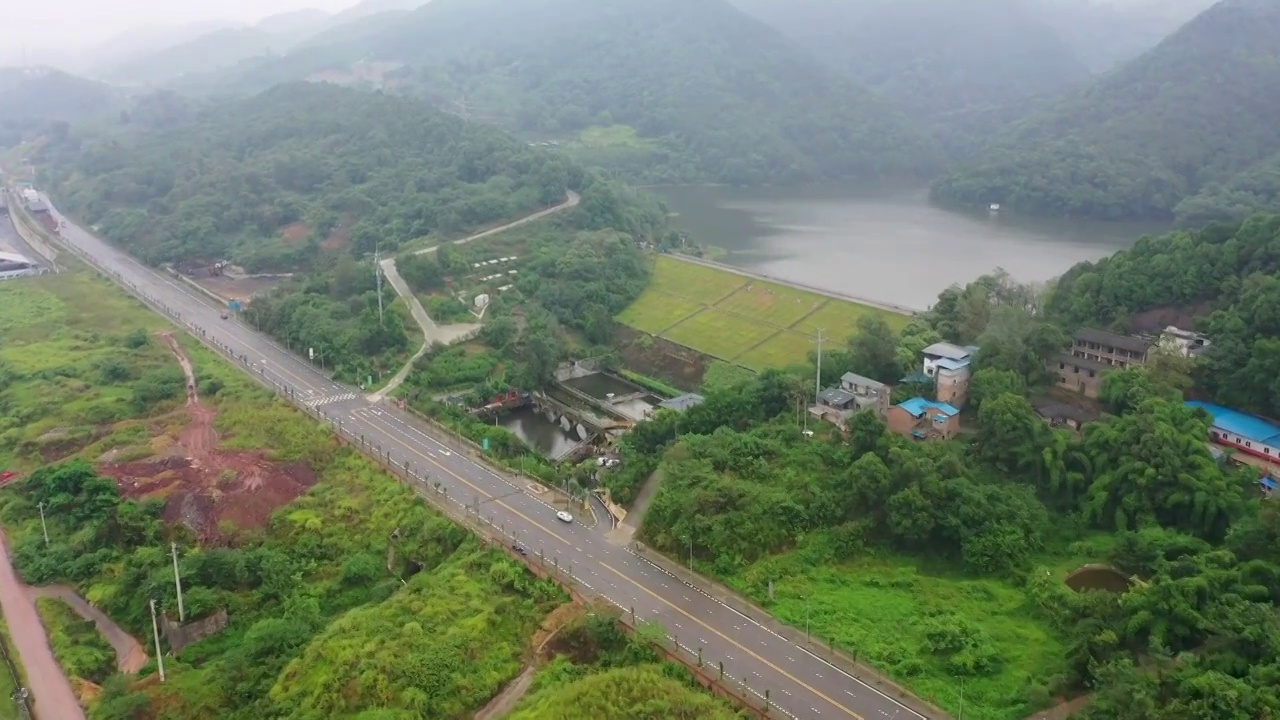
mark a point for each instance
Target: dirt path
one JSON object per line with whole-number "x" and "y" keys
{"x": 130, "y": 657}
{"x": 446, "y": 334}
{"x": 50, "y": 690}
{"x": 198, "y": 438}
{"x": 506, "y": 700}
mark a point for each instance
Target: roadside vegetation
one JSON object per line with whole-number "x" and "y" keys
{"x": 594, "y": 671}
{"x": 357, "y": 562}
{"x": 8, "y": 710}
{"x": 77, "y": 361}
{"x": 77, "y": 645}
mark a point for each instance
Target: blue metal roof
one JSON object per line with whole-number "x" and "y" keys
{"x": 1237, "y": 423}
{"x": 917, "y": 406}
{"x": 950, "y": 364}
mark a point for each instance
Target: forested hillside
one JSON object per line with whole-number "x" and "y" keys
{"x": 1227, "y": 275}
{"x": 312, "y": 179}
{"x": 965, "y": 69}
{"x": 31, "y": 99}
{"x": 1255, "y": 189}
{"x": 704, "y": 92}
{"x": 1196, "y": 110}
{"x": 275, "y": 181}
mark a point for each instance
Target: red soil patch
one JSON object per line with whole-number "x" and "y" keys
{"x": 295, "y": 233}
{"x": 205, "y": 486}
{"x": 340, "y": 237}
{"x": 1157, "y": 319}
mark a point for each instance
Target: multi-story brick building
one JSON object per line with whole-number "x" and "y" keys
{"x": 1094, "y": 352}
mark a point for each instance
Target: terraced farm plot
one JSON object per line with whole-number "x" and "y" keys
{"x": 750, "y": 322}
{"x": 839, "y": 318}
{"x": 657, "y": 313}
{"x": 719, "y": 334}
{"x": 780, "y": 350}
{"x": 700, "y": 284}
{"x": 773, "y": 304}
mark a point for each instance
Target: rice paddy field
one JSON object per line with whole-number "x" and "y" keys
{"x": 740, "y": 319}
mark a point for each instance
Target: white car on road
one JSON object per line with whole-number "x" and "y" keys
{"x": 564, "y": 516}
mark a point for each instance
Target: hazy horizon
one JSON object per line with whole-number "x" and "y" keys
{"x": 55, "y": 31}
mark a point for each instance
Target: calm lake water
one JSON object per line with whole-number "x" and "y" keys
{"x": 886, "y": 245}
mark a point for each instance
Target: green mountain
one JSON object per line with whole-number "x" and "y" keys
{"x": 302, "y": 173}
{"x": 663, "y": 90}
{"x": 226, "y": 47}
{"x": 1105, "y": 35}
{"x": 1197, "y": 109}
{"x": 965, "y": 69}
{"x": 1256, "y": 189}
{"x": 32, "y": 98}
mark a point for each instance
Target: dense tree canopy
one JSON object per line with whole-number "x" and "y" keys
{"x": 1257, "y": 188}
{"x": 275, "y": 181}
{"x": 1225, "y": 274}
{"x": 1194, "y": 111}
{"x": 711, "y": 93}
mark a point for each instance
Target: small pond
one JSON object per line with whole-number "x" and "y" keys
{"x": 1098, "y": 577}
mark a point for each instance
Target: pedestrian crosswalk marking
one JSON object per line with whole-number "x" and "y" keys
{"x": 317, "y": 402}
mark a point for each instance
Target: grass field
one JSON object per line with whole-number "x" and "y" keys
{"x": 732, "y": 317}
{"x": 886, "y": 609}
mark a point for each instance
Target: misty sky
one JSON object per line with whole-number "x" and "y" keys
{"x": 71, "y": 24}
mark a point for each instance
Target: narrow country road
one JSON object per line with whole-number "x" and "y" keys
{"x": 51, "y": 692}
{"x": 431, "y": 332}
{"x": 130, "y": 657}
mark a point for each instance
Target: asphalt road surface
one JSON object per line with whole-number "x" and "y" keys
{"x": 800, "y": 684}
{"x": 51, "y": 694}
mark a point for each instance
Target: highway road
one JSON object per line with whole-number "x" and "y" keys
{"x": 799, "y": 683}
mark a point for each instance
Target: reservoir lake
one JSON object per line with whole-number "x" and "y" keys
{"x": 887, "y": 245}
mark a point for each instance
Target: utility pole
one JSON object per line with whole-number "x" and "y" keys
{"x": 690, "y": 552}
{"x": 155, "y": 631}
{"x": 177, "y": 582}
{"x": 817, "y": 380}
{"x": 806, "y": 619}
{"x": 43, "y": 527}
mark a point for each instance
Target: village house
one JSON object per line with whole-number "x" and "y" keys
{"x": 948, "y": 366}
{"x": 922, "y": 419}
{"x": 1094, "y": 352}
{"x": 1063, "y": 415}
{"x": 855, "y": 394}
{"x": 1242, "y": 431}
{"x": 1187, "y": 343}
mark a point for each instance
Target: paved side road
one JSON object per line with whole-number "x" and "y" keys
{"x": 446, "y": 334}
{"x": 130, "y": 657}
{"x": 51, "y": 692}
